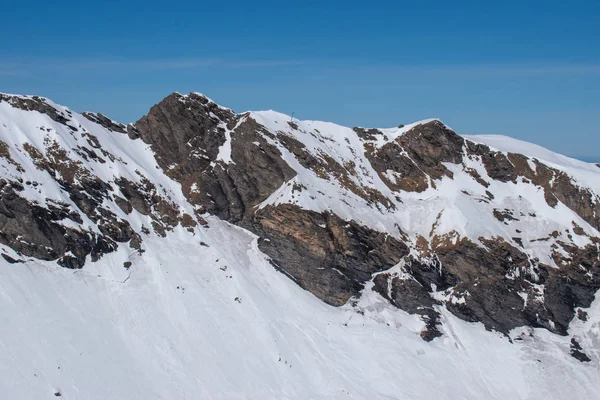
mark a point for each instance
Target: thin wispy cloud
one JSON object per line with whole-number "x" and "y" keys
{"x": 135, "y": 64}
{"x": 38, "y": 68}
{"x": 262, "y": 63}
{"x": 18, "y": 73}
{"x": 546, "y": 69}
{"x": 14, "y": 74}
{"x": 124, "y": 64}
{"x": 496, "y": 69}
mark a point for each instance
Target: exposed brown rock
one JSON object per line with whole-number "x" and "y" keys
{"x": 499, "y": 167}
{"x": 105, "y": 122}
{"x": 577, "y": 353}
{"x": 330, "y": 257}
{"x": 39, "y": 104}
{"x": 490, "y": 278}
{"x": 417, "y": 156}
{"x": 558, "y": 186}
{"x": 186, "y": 133}
{"x": 124, "y": 205}
{"x": 187, "y": 221}
{"x": 183, "y": 130}
{"x": 432, "y": 143}
{"x": 409, "y": 177}
{"x": 145, "y": 199}
{"x": 504, "y": 215}
{"x": 477, "y": 177}
{"x": 35, "y": 231}
{"x": 5, "y": 153}
{"x": 368, "y": 133}
{"x": 411, "y": 296}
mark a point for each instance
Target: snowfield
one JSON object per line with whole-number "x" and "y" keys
{"x": 172, "y": 329}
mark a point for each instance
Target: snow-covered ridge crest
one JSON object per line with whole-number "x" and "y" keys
{"x": 202, "y": 96}
{"x": 586, "y": 173}
{"x": 343, "y": 145}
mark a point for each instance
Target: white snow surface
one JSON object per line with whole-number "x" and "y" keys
{"x": 188, "y": 321}
{"x": 173, "y": 329}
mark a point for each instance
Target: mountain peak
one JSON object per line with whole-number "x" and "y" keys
{"x": 415, "y": 232}
{"x": 198, "y": 98}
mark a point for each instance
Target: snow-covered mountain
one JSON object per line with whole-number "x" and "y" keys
{"x": 200, "y": 253}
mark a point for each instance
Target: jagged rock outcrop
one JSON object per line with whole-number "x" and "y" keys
{"x": 324, "y": 254}
{"x": 417, "y": 156}
{"x": 106, "y": 122}
{"x": 35, "y": 231}
{"x": 187, "y": 134}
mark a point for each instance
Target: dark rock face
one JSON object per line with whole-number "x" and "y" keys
{"x": 411, "y": 296}
{"x": 49, "y": 239}
{"x": 367, "y": 134}
{"x": 504, "y": 215}
{"x": 498, "y": 285}
{"x": 431, "y": 144}
{"x": 34, "y": 231}
{"x": 187, "y": 132}
{"x": 481, "y": 285}
{"x": 573, "y": 285}
{"x": 417, "y": 155}
{"x": 389, "y": 157}
{"x": 499, "y": 167}
{"x": 577, "y": 353}
{"x": 5, "y": 153}
{"x": 324, "y": 254}
{"x": 105, "y": 122}
{"x": 258, "y": 171}
{"x": 144, "y": 198}
{"x": 86, "y": 190}
{"x": 327, "y": 168}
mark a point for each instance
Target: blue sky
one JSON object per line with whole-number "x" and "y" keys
{"x": 527, "y": 69}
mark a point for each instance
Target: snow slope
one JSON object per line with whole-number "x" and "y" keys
{"x": 173, "y": 329}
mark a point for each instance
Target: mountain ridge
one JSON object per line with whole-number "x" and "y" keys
{"x": 434, "y": 223}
